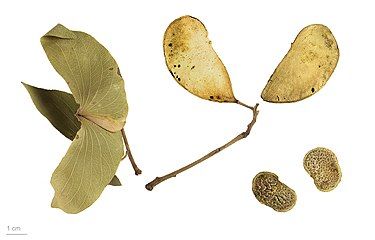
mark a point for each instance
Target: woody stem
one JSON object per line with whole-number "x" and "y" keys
{"x": 240, "y": 136}
{"x": 137, "y": 171}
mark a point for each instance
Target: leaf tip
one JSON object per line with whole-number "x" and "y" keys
{"x": 28, "y": 87}
{"x": 54, "y": 203}
{"x": 25, "y": 85}
{"x": 115, "y": 181}
{"x": 59, "y": 31}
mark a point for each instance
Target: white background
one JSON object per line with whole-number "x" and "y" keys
{"x": 168, "y": 127}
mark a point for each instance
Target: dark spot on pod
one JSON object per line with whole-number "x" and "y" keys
{"x": 179, "y": 79}
{"x": 171, "y": 72}
{"x": 192, "y": 67}
{"x": 111, "y": 68}
{"x": 328, "y": 42}
{"x": 174, "y": 65}
{"x": 211, "y": 97}
{"x": 312, "y": 90}
{"x": 170, "y": 44}
{"x": 179, "y": 65}
{"x": 319, "y": 66}
{"x": 118, "y": 72}
{"x": 218, "y": 97}
{"x": 278, "y": 99}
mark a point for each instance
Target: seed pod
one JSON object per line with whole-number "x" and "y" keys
{"x": 193, "y": 62}
{"x": 306, "y": 67}
{"x": 271, "y": 192}
{"x": 322, "y": 165}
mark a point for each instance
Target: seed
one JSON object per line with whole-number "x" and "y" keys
{"x": 322, "y": 165}
{"x": 269, "y": 191}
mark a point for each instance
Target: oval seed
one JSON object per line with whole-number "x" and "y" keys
{"x": 269, "y": 191}
{"x": 322, "y": 165}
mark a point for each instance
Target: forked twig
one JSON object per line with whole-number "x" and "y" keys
{"x": 240, "y": 136}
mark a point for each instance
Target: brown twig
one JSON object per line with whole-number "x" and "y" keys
{"x": 245, "y": 105}
{"x": 129, "y": 153}
{"x": 240, "y": 136}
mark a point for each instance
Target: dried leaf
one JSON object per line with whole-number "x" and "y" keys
{"x": 193, "y": 62}
{"x": 58, "y": 107}
{"x": 92, "y": 75}
{"x": 97, "y": 86}
{"x": 88, "y": 166}
{"x": 115, "y": 181}
{"x": 306, "y": 67}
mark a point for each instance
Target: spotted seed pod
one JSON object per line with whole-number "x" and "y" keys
{"x": 193, "y": 62}
{"x": 271, "y": 192}
{"x": 306, "y": 67}
{"x": 322, "y": 165}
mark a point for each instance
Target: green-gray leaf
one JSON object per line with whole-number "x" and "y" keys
{"x": 88, "y": 166}
{"x": 91, "y": 73}
{"x": 59, "y": 108}
{"x": 115, "y": 181}
{"x": 98, "y": 89}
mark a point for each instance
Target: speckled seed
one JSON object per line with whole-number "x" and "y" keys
{"x": 271, "y": 192}
{"x": 322, "y": 165}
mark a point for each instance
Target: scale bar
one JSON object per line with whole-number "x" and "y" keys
{"x": 10, "y": 234}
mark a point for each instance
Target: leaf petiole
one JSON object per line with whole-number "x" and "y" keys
{"x": 128, "y": 153}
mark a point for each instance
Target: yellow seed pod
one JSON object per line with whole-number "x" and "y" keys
{"x": 322, "y": 165}
{"x": 193, "y": 62}
{"x": 306, "y": 67}
{"x": 269, "y": 191}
